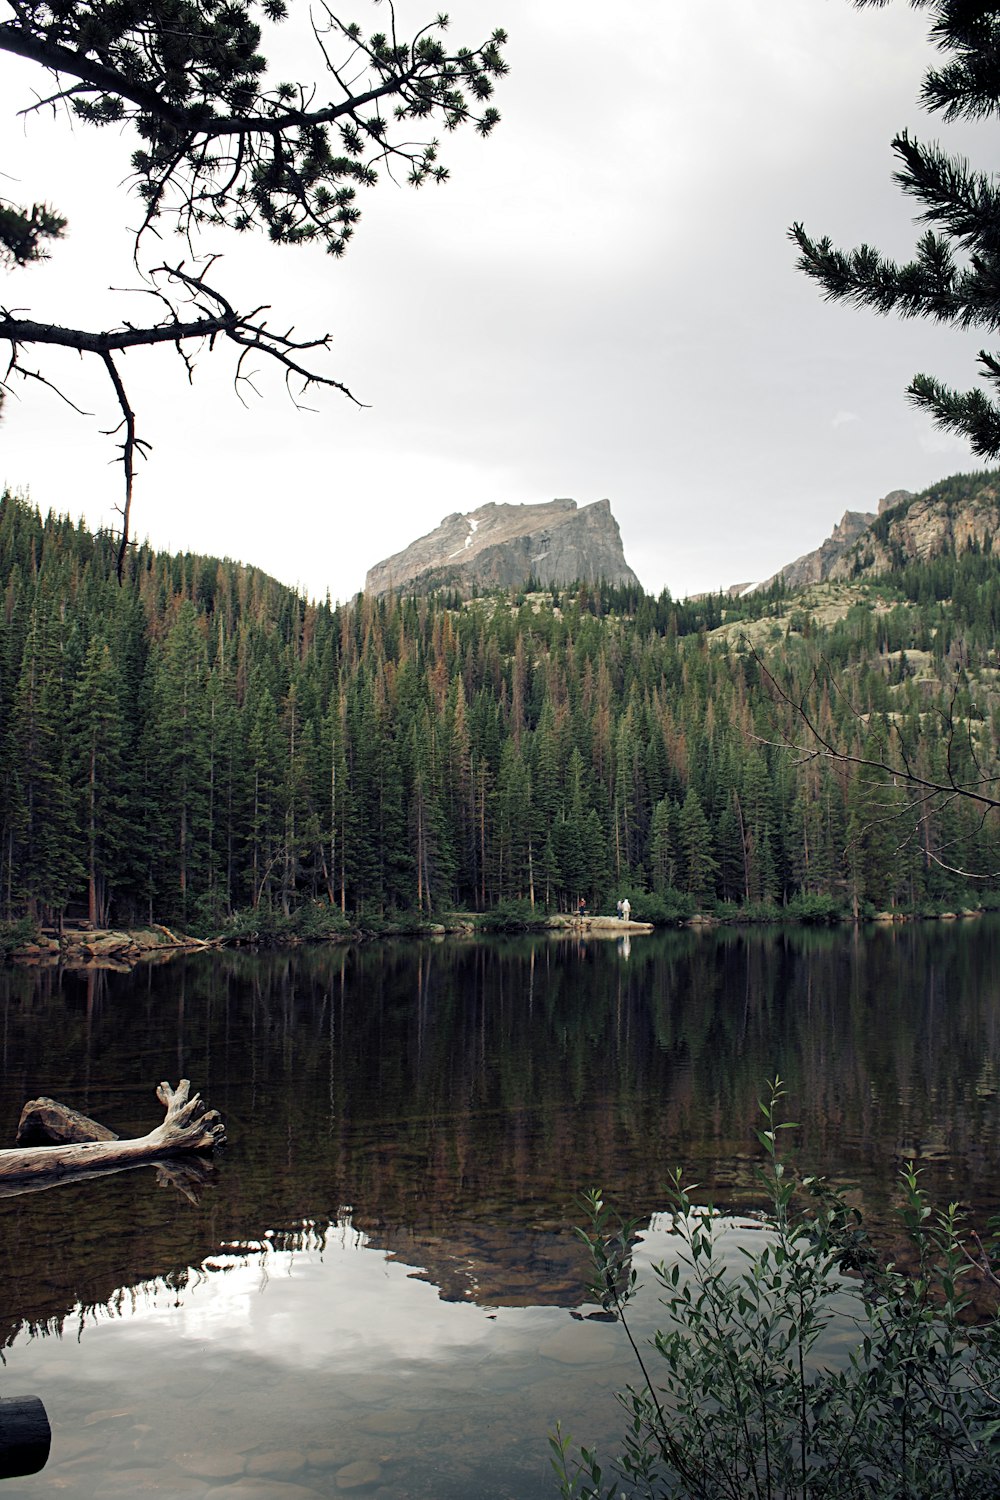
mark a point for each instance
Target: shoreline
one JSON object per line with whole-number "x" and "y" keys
{"x": 122, "y": 949}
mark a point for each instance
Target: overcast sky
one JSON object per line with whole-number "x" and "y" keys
{"x": 601, "y": 302}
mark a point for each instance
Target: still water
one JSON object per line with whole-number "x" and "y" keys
{"x": 375, "y": 1290}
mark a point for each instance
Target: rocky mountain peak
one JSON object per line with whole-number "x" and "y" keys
{"x": 894, "y": 498}
{"x": 823, "y": 562}
{"x": 502, "y": 546}
{"x": 949, "y": 517}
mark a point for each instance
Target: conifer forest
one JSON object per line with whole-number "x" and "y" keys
{"x": 202, "y": 746}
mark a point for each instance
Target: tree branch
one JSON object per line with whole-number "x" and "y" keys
{"x": 192, "y": 77}
{"x": 824, "y": 747}
{"x": 18, "y": 40}
{"x": 216, "y": 318}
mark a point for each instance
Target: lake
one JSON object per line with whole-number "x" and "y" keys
{"x": 376, "y": 1290}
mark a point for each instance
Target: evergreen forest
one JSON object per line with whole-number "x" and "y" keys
{"x": 201, "y": 745}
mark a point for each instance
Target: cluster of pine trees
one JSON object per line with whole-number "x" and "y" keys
{"x": 200, "y": 740}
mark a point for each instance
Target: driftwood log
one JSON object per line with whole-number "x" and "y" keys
{"x": 187, "y": 1126}
{"x": 45, "y": 1122}
{"x": 25, "y": 1436}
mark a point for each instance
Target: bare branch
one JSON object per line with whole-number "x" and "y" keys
{"x": 59, "y": 97}
{"x": 220, "y": 145}
{"x": 216, "y": 317}
{"x": 19, "y": 40}
{"x": 14, "y": 367}
{"x": 825, "y": 749}
{"x": 129, "y": 447}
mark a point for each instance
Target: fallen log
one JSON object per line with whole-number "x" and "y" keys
{"x": 45, "y": 1122}
{"x": 187, "y": 1126}
{"x": 25, "y": 1436}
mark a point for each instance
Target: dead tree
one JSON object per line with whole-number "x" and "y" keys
{"x": 187, "y": 1126}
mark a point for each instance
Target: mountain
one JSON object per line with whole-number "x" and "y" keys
{"x": 950, "y": 517}
{"x": 502, "y": 546}
{"x": 959, "y": 515}
{"x": 200, "y": 742}
{"x": 815, "y": 566}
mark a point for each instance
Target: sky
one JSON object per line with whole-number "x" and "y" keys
{"x": 601, "y": 302}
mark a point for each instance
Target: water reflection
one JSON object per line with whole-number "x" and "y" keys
{"x": 326, "y": 1365}
{"x": 314, "y": 1360}
{"x": 457, "y": 1095}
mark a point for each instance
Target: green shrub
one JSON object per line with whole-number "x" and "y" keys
{"x": 739, "y": 1403}
{"x": 208, "y": 915}
{"x": 727, "y": 911}
{"x": 663, "y": 908}
{"x": 760, "y": 911}
{"x": 508, "y": 916}
{"x": 260, "y": 924}
{"x": 320, "y": 922}
{"x": 315, "y": 922}
{"x": 811, "y": 906}
{"x": 16, "y": 934}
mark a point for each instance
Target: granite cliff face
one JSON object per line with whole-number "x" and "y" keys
{"x": 922, "y": 527}
{"x": 949, "y": 517}
{"x": 502, "y": 546}
{"x": 813, "y": 567}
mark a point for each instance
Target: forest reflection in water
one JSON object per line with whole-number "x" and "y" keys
{"x": 433, "y": 1108}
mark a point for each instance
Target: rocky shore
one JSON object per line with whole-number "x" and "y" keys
{"x": 107, "y": 948}
{"x": 82, "y": 947}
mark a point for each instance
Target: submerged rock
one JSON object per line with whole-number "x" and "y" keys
{"x": 359, "y": 1475}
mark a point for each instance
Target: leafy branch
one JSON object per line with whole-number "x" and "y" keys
{"x": 221, "y": 145}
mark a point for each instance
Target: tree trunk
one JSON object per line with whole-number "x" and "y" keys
{"x": 187, "y": 1126}
{"x": 44, "y": 1122}
{"x": 25, "y": 1436}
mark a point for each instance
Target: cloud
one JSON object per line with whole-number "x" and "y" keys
{"x": 601, "y": 301}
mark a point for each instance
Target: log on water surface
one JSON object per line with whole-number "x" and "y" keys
{"x": 187, "y": 1126}
{"x": 45, "y": 1122}
{"x": 25, "y": 1436}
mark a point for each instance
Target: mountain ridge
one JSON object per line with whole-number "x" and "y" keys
{"x": 950, "y": 516}
{"x": 503, "y": 546}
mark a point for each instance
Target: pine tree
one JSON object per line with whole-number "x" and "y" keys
{"x": 955, "y": 273}
{"x": 732, "y": 851}
{"x": 569, "y": 837}
{"x": 181, "y": 761}
{"x": 661, "y": 858}
{"x": 264, "y": 822}
{"x": 758, "y": 826}
{"x": 293, "y": 795}
{"x": 334, "y": 795}
{"x": 627, "y": 795}
{"x": 430, "y": 844}
{"x": 696, "y": 841}
{"x": 46, "y": 859}
{"x": 97, "y": 736}
{"x": 514, "y": 821}
{"x": 225, "y": 754}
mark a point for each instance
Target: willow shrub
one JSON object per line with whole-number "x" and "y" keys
{"x": 733, "y": 1398}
